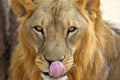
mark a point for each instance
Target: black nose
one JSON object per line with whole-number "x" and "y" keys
{"x": 50, "y": 61}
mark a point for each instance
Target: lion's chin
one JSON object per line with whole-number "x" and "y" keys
{"x": 47, "y": 77}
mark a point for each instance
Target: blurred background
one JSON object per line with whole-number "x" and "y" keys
{"x": 8, "y": 29}
{"x": 111, "y": 11}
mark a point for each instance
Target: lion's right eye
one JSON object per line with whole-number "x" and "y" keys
{"x": 38, "y": 29}
{"x": 71, "y": 29}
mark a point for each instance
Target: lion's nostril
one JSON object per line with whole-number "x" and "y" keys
{"x": 52, "y": 60}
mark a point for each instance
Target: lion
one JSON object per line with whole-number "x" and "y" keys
{"x": 68, "y": 33}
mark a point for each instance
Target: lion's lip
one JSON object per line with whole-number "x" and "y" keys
{"x": 56, "y": 70}
{"x": 47, "y": 74}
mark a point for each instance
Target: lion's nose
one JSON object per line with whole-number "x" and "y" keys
{"x": 49, "y": 60}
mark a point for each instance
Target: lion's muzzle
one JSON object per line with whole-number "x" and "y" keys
{"x": 55, "y": 69}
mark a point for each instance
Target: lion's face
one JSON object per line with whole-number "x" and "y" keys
{"x": 54, "y": 31}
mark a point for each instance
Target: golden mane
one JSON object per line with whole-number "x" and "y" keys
{"x": 99, "y": 42}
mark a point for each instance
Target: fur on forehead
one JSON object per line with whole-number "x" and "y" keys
{"x": 24, "y": 8}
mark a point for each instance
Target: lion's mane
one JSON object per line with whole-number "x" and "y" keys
{"x": 91, "y": 61}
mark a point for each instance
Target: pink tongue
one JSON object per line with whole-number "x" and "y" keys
{"x": 57, "y": 69}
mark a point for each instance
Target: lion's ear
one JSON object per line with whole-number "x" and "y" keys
{"x": 92, "y": 7}
{"x": 22, "y": 7}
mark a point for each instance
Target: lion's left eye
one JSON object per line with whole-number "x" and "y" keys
{"x": 38, "y": 28}
{"x": 72, "y": 29}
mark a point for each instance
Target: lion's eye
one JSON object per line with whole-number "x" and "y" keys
{"x": 38, "y": 28}
{"x": 72, "y": 29}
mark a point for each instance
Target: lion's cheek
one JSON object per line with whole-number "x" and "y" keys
{"x": 68, "y": 63}
{"x": 42, "y": 68}
{"x": 41, "y": 64}
{"x": 68, "y": 66}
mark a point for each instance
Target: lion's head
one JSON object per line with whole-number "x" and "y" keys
{"x": 58, "y": 30}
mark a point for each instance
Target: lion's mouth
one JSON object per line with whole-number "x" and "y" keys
{"x": 46, "y": 76}
{"x": 56, "y": 69}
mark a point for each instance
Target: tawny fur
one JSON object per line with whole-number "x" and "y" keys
{"x": 100, "y": 42}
